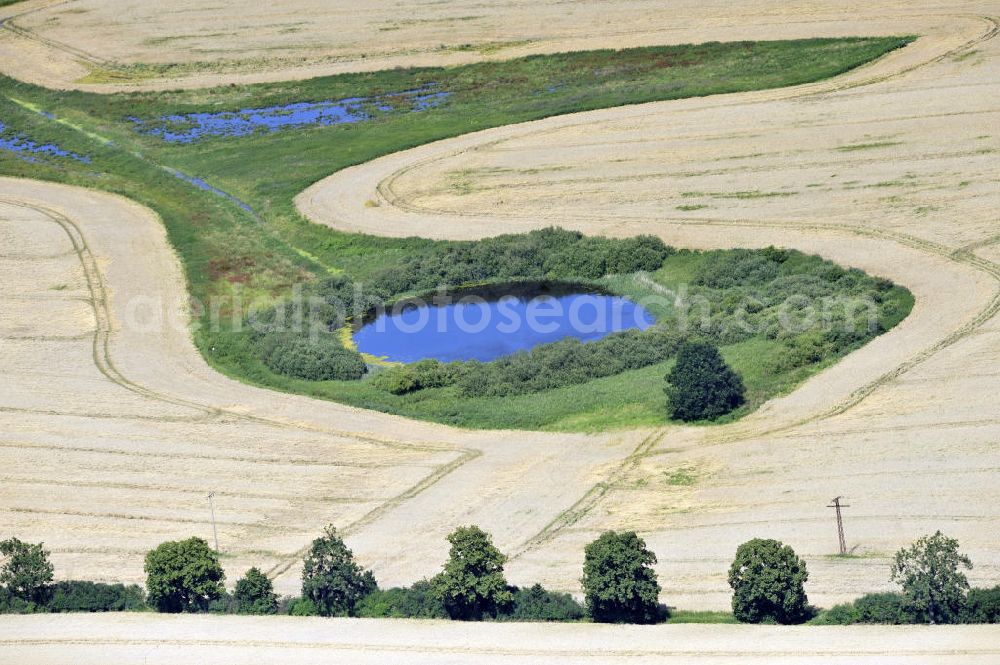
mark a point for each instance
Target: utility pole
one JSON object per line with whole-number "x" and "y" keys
{"x": 840, "y": 523}
{"x": 215, "y": 534}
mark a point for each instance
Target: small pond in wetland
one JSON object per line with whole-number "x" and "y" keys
{"x": 485, "y": 325}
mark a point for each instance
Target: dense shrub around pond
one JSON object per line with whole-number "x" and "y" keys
{"x": 552, "y": 253}
{"x": 319, "y": 359}
{"x": 543, "y": 367}
{"x": 313, "y": 353}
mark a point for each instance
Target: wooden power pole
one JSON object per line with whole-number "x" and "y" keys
{"x": 215, "y": 534}
{"x": 840, "y": 523}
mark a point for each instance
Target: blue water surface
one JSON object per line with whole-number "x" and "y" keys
{"x": 25, "y": 148}
{"x": 190, "y": 127}
{"x": 487, "y": 330}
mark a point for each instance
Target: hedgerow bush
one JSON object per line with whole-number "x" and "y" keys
{"x": 302, "y": 607}
{"x": 539, "y": 604}
{"x": 882, "y": 608}
{"x": 84, "y": 596}
{"x": 11, "y": 603}
{"x": 816, "y": 308}
{"x": 872, "y": 608}
{"x": 419, "y": 601}
{"x": 982, "y": 606}
{"x": 844, "y": 614}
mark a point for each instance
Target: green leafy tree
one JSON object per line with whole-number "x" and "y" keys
{"x": 930, "y": 572}
{"x": 619, "y": 582}
{"x": 254, "y": 594}
{"x": 331, "y": 578}
{"x": 183, "y": 576}
{"x": 767, "y": 579}
{"x": 26, "y": 573}
{"x": 472, "y": 584}
{"x": 701, "y": 386}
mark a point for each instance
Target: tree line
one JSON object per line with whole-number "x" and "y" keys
{"x": 619, "y": 585}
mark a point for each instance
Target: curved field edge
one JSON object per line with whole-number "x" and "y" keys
{"x": 235, "y": 254}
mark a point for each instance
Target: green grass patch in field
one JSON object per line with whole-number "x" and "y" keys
{"x": 684, "y": 477}
{"x": 704, "y": 616}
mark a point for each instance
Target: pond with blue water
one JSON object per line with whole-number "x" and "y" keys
{"x": 484, "y": 327}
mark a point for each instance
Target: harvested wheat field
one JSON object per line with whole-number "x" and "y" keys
{"x": 299, "y": 640}
{"x": 104, "y": 45}
{"x": 115, "y": 428}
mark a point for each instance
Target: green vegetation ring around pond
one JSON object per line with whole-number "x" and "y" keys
{"x": 222, "y": 166}
{"x": 777, "y": 316}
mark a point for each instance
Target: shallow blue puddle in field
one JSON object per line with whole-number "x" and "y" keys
{"x": 473, "y": 328}
{"x": 27, "y": 149}
{"x": 191, "y": 127}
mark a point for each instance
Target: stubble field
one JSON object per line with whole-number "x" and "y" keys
{"x": 114, "y": 433}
